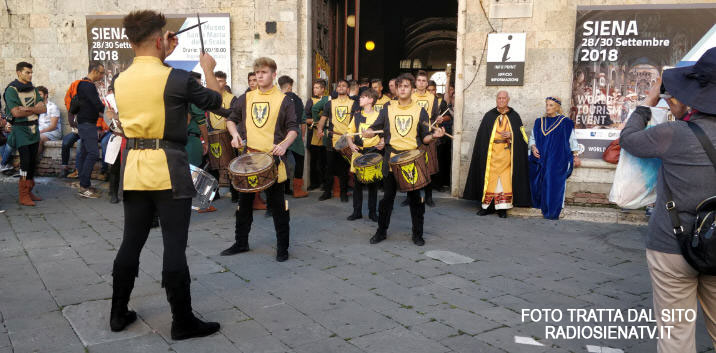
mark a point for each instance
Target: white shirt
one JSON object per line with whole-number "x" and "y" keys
{"x": 45, "y": 119}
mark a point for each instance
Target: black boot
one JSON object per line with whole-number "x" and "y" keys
{"x": 113, "y": 186}
{"x": 384, "y": 212}
{"x": 372, "y": 216}
{"x": 417, "y": 215}
{"x": 502, "y": 213}
{"x": 242, "y": 238}
{"x": 281, "y": 221}
{"x": 325, "y": 195}
{"x": 429, "y": 196}
{"x": 355, "y": 215}
{"x": 122, "y": 284}
{"x": 184, "y": 324}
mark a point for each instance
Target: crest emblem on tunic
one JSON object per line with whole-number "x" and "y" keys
{"x": 260, "y": 113}
{"x": 253, "y": 180}
{"x": 403, "y": 124}
{"x": 216, "y": 149}
{"x": 341, "y": 113}
{"x": 378, "y": 107}
{"x": 423, "y": 104}
{"x": 410, "y": 173}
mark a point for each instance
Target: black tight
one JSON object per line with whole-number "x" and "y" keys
{"x": 174, "y": 215}
{"x": 28, "y": 160}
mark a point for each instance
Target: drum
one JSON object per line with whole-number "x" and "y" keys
{"x": 206, "y": 186}
{"x": 410, "y": 170}
{"x": 253, "y": 172}
{"x": 431, "y": 156}
{"x": 220, "y": 151}
{"x": 369, "y": 168}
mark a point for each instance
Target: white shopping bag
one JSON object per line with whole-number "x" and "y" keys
{"x": 634, "y": 183}
{"x": 113, "y": 147}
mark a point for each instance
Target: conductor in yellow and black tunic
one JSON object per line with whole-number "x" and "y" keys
{"x": 154, "y": 102}
{"x": 405, "y": 127}
{"x": 266, "y": 119}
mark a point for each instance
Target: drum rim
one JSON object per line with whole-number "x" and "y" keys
{"x": 365, "y": 156}
{"x": 271, "y": 165}
{"x": 417, "y": 155}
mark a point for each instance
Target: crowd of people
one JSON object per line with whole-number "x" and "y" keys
{"x": 163, "y": 118}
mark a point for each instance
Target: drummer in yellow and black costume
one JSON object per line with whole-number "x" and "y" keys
{"x": 337, "y": 114}
{"x": 377, "y": 85}
{"x": 266, "y": 118}
{"x": 430, "y": 103}
{"x": 405, "y": 125}
{"x": 154, "y": 102}
{"x": 361, "y": 121}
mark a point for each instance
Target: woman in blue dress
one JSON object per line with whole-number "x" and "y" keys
{"x": 553, "y": 154}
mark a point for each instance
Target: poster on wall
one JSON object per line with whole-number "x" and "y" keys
{"x": 619, "y": 51}
{"x": 107, "y": 43}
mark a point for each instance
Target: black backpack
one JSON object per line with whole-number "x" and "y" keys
{"x": 699, "y": 247}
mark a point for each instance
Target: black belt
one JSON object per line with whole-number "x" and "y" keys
{"x": 152, "y": 144}
{"x": 26, "y": 123}
{"x": 195, "y": 134}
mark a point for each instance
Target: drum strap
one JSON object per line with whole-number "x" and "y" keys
{"x": 152, "y": 144}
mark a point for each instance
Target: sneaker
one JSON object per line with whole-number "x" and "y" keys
{"x": 5, "y": 167}
{"x": 88, "y": 193}
{"x": 74, "y": 175}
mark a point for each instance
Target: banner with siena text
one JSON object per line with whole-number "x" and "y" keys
{"x": 619, "y": 51}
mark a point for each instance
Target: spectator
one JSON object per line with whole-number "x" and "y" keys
{"x": 91, "y": 108}
{"x": 68, "y": 141}
{"x": 50, "y": 129}
{"x": 296, "y": 151}
{"x": 689, "y": 174}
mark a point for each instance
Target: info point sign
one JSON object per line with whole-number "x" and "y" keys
{"x": 619, "y": 52}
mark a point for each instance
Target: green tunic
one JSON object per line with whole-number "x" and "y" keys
{"x": 193, "y": 143}
{"x": 22, "y": 135}
{"x": 316, "y": 115}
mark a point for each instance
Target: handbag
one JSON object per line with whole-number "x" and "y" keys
{"x": 699, "y": 247}
{"x": 611, "y": 154}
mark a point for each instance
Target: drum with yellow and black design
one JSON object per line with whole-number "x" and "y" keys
{"x": 410, "y": 170}
{"x": 431, "y": 156}
{"x": 369, "y": 168}
{"x": 253, "y": 172}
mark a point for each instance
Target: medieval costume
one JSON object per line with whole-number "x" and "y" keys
{"x": 555, "y": 141}
{"x": 499, "y": 173}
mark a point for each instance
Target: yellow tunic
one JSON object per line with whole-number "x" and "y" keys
{"x": 218, "y": 122}
{"x": 378, "y": 106}
{"x": 426, "y": 101}
{"x": 340, "y": 116}
{"x": 499, "y": 174}
{"x": 362, "y": 122}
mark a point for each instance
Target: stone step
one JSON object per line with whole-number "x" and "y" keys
{"x": 589, "y": 214}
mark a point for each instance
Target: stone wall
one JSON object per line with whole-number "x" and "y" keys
{"x": 548, "y": 72}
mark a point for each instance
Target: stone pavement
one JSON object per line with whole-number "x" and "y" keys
{"x": 337, "y": 293}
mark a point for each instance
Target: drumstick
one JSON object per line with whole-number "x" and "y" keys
{"x": 186, "y": 29}
{"x": 360, "y": 133}
{"x": 431, "y": 128}
{"x": 201, "y": 36}
{"x": 441, "y": 115}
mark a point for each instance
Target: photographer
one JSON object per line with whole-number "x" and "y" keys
{"x": 689, "y": 175}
